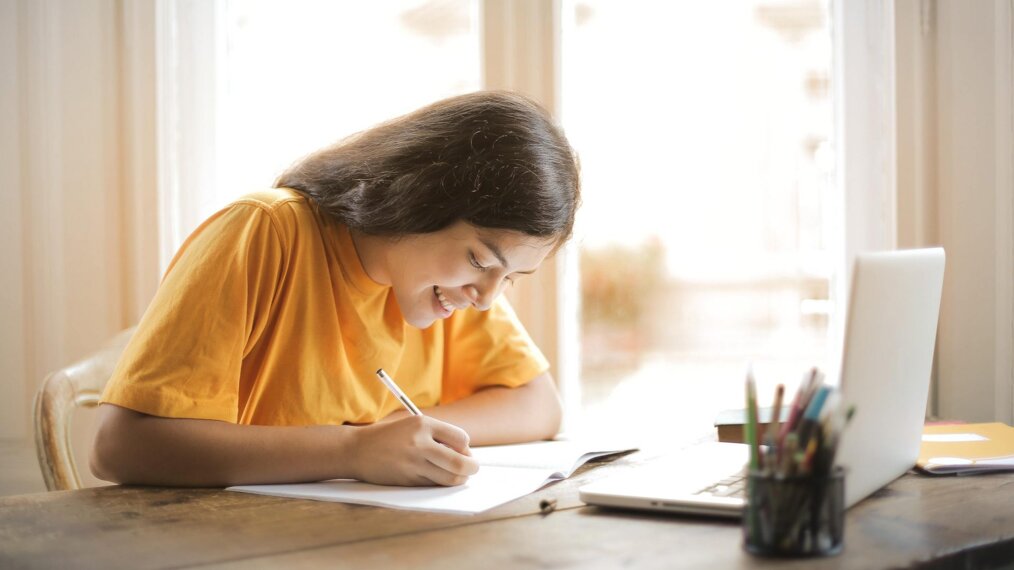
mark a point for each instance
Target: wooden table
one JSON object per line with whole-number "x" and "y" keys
{"x": 914, "y": 522}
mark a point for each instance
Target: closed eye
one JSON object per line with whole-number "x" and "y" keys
{"x": 475, "y": 262}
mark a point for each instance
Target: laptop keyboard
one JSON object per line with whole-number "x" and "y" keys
{"x": 732, "y": 486}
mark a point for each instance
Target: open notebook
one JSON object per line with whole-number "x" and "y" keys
{"x": 506, "y": 472}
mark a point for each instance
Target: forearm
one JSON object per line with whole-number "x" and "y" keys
{"x": 500, "y": 415}
{"x": 136, "y": 448}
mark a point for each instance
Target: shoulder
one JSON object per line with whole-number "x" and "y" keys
{"x": 287, "y": 209}
{"x": 274, "y": 200}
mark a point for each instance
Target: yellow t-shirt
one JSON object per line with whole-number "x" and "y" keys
{"x": 266, "y": 316}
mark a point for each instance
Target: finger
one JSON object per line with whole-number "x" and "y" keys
{"x": 440, "y": 476}
{"x": 452, "y": 461}
{"x": 450, "y": 435}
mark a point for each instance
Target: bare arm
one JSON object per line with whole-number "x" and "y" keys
{"x": 132, "y": 447}
{"x": 500, "y": 415}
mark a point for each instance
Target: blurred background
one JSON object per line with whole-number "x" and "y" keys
{"x": 735, "y": 156}
{"x": 703, "y": 239}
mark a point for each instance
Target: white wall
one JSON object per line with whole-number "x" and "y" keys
{"x": 974, "y": 98}
{"x": 63, "y": 248}
{"x": 955, "y": 157}
{"x": 13, "y": 413}
{"x": 77, "y": 151}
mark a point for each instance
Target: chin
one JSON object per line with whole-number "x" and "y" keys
{"x": 420, "y": 322}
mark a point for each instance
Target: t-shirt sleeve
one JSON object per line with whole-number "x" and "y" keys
{"x": 488, "y": 348}
{"x": 185, "y": 358}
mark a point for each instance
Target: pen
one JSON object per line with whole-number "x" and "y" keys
{"x": 773, "y": 427}
{"x": 798, "y": 403}
{"x": 806, "y": 466}
{"x": 816, "y": 380}
{"x": 389, "y": 382}
{"x": 811, "y": 417}
{"x": 752, "y": 437}
{"x": 837, "y": 428}
{"x": 788, "y": 455}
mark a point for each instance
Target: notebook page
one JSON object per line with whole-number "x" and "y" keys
{"x": 490, "y": 487}
{"x": 561, "y": 457}
{"x": 506, "y": 472}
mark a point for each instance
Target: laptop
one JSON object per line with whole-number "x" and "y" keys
{"x": 887, "y": 357}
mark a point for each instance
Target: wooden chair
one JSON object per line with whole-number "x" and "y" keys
{"x": 79, "y": 384}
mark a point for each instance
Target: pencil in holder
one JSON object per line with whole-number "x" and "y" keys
{"x": 796, "y": 515}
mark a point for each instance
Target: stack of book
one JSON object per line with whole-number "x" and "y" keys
{"x": 729, "y": 423}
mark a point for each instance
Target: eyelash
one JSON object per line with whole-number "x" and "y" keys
{"x": 475, "y": 263}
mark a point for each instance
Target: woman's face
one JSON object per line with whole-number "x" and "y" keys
{"x": 458, "y": 267}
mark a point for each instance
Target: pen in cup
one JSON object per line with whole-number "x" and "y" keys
{"x": 389, "y": 382}
{"x": 773, "y": 428}
{"x": 751, "y": 428}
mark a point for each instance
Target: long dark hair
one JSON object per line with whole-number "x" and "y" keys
{"x": 492, "y": 159}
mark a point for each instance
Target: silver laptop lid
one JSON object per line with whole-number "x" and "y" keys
{"x": 886, "y": 364}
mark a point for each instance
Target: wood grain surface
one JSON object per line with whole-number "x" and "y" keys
{"x": 916, "y": 521}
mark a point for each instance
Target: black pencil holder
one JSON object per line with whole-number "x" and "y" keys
{"x": 802, "y": 515}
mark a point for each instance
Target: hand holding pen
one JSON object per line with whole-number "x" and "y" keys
{"x": 413, "y": 451}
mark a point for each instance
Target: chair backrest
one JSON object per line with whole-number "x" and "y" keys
{"x": 79, "y": 384}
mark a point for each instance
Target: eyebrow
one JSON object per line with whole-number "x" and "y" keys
{"x": 499, "y": 255}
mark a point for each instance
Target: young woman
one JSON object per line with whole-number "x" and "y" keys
{"x": 255, "y": 361}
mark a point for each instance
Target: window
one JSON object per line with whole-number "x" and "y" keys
{"x": 288, "y": 78}
{"x": 301, "y": 75}
{"x": 704, "y": 131}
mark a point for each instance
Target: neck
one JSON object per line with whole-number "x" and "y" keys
{"x": 370, "y": 250}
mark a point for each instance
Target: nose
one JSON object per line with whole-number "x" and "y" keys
{"x": 481, "y": 296}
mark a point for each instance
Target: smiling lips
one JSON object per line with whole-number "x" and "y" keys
{"x": 447, "y": 305}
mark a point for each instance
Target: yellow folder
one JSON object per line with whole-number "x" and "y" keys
{"x": 966, "y": 448}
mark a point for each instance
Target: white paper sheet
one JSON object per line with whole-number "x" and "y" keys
{"x": 953, "y": 437}
{"x": 506, "y": 472}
